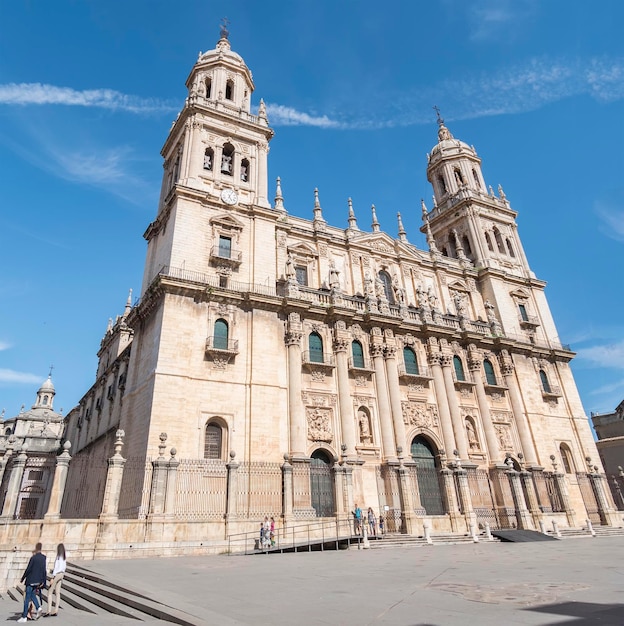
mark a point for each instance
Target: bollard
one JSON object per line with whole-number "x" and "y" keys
{"x": 488, "y": 532}
{"x": 556, "y": 529}
{"x": 427, "y": 530}
{"x": 590, "y": 528}
{"x": 542, "y": 527}
{"x": 473, "y": 533}
{"x": 365, "y": 541}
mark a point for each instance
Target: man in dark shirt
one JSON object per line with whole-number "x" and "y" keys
{"x": 35, "y": 577}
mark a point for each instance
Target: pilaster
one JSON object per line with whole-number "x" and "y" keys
{"x": 58, "y": 483}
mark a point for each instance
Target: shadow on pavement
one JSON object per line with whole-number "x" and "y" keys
{"x": 585, "y": 613}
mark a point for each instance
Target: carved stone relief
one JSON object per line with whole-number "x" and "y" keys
{"x": 319, "y": 424}
{"x": 503, "y": 434}
{"x": 420, "y": 414}
{"x": 503, "y": 417}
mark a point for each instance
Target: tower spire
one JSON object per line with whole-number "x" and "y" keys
{"x": 402, "y": 233}
{"x": 318, "y": 221}
{"x": 352, "y": 221}
{"x": 375, "y": 224}
{"x": 430, "y": 240}
{"x": 279, "y": 199}
{"x": 128, "y": 304}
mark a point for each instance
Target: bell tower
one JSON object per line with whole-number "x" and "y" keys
{"x": 468, "y": 220}
{"x": 215, "y": 156}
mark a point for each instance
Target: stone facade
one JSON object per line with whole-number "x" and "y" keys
{"x": 310, "y": 367}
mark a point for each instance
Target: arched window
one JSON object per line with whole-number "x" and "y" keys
{"x": 566, "y": 457}
{"x": 458, "y": 177}
{"x": 209, "y": 159}
{"x": 315, "y": 345}
{"x": 227, "y": 159}
{"x": 229, "y": 90}
{"x": 476, "y": 178}
{"x": 411, "y": 363}
{"x": 442, "y": 184}
{"x": 459, "y": 369}
{"x": 499, "y": 241}
{"x": 488, "y": 240}
{"x": 357, "y": 353}
{"x": 384, "y": 277}
{"x": 466, "y": 245}
{"x": 208, "y": 87}
{"x": 510, "y": 248}
{"x": 244, "y": 170}
{"x": 221, "y": 335}
{"x": 490, "y": 376}
{"x": 45, "y": 400}
{"x": 213, "y": 441}
{"x": 545, "y": 384}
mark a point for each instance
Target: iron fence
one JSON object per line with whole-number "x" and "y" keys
{"x": 482, "y": 497}
{"x": 259, "y": 491}
{"x": 84, "y": 489}
{"x": 201, "y": 489}
{"x": 136, "y": 487}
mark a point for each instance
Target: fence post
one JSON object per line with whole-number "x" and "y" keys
{"x": 58, "y": 483}
{"x": 405, "y": 493}
{"x": 172, "y": 478}
{"x": 232, "y": 488}
{"x": 450, "y": 498}
{"x": 159, "y": 473}
{"x": 529, "y": 489}
{"x": 522, "y": 514}
{"x": 15, "y": 483}
{"x": 114, "y": 476}
{"x": 465, "y": 501}
{"x": 562, "y": 488}
{"x": 287, "y": 492}
{"x": 608, "y": 515}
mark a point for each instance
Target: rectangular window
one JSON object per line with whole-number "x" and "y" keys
{"x": 223, "y": 282}
{"x": 302, "y": 275}
{"x": 523, "y": 313}
{"x": 225, "y": 247}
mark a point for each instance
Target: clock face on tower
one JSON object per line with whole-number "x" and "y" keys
{"x": 229, "y": 196}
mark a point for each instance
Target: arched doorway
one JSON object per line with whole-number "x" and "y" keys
{"x": 428, "y": 476}
{"x": 322, "y": 484}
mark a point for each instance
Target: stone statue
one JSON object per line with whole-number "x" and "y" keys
{"x": 365, "y": 435}
{"x": 460, "y": 307}
{"x": 290, "y": 267}
{"x": 432, "y": 298}
{"x": 334, "y": 281}
{"x": 421, "y": 297}
{"x": 471, "y": 434}
{"x": 399, "y": 292}
{"x": 368, "y": 285}
{"x": 380, "y": 292}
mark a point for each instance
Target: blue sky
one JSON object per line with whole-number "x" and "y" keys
{"x": 88, "y": 91}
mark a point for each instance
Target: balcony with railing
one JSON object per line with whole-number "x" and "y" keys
{"x": 551, "y": 392}
{"x": 225, "y": 254}
{"x": 528, "y": 321}
{"x": 221, "y": 345}
{"x": 419, "y": 375}
{"x": 360, "y": 365}
{"x": 493, "y": 385}
{"x": 465, "y": 380}
{"x": 312, "y": 360}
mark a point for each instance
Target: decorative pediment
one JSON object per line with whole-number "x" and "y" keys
{"x": 377, "y": 242}
{"x": 521, "y": 294}
{"x": 226, "y": 221}
{"x": 459, "y": 285}
{"x": 302, "y": 250}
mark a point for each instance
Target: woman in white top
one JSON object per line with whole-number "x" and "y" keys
{"x": 57, "y": 578}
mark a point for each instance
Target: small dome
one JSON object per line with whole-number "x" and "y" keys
{"x": 222, "y": 50}
{"x": 447, "y": 143}
{"x": 47, "y": 387}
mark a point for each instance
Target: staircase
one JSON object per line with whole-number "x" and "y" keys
{"x": 396, "y": 540}
{"x": 84, "y": 590}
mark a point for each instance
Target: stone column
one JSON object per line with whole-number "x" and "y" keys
{"x": 295, "y": 405}
{"x": 475, "y": 361}
{"x": 526, "y": 478}
{"x": 339, "y": 489}
{"x": 263, "y": 150}
{"x": 407, "y": 501}
{"x": 392, "y": 374}
{"x": 15, "y": 483}
{"x": 522, "y": 423}
{"x": 114, "y": 477}
{"x": 159, "y": 480}
{"x": 443, "y": 408}
{"x": 463, "y": 491}
{"x": 287, "y": 478}
{"x": 348, "y": 474}
{"x": 172, "y": 479}
{"x": 522, "y": 514}
{"x": 450, "y": 498}
{"x": 58, "y": 483}
{"x": 6, "y": 457}
{"x": 383, "y": 405}
{"x": 347, "y": 423}
{"x": 562, "y": 488}
{"x": 608, "y": 515}
{"x": 459, "y": 428}
{"x": 232, "y": 487}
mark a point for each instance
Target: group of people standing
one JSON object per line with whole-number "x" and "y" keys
{"x": 267, "y": 533}
{"x": 370, "y": 519}
{"x": 35, "y": 578}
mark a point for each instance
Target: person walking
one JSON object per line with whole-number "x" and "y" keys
{"x": 34, "y": 577}
{"x": 357, "y": 519}
{"x": 372, "y": 523}
{"x": 58, "y": 573}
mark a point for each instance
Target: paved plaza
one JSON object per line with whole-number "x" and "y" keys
{"x": 575, "y": 581}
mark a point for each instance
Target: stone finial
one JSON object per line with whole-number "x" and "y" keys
{"x": 375, "y": 224}
{"x": 172, "y": 453}
{"x": 162, "y": 445}
{"x": 424, "y": 210}
{"x": 128, "y": 306}
{"x": 352, "y": 220}
{"x": 279, "y": 199}
{"x": 402, "y": 233}
{"x": 119, "y": 435}
{"x": 109, "y": 327}
{"x": 232, "y": 454}
{"x": 553, "y": 460}
{"x": 501, "y": 193}
{"x": 318, "y": 211}
{"x": 262, "y": 112}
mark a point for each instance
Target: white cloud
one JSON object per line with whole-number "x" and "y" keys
{"x": 281, "y": 115}
{"x": 612, "y": 220}
{"x": 498, "y": 20}
{"x": 4, "y": 345}
{"x": 38, "y": 94}
{"x": 11, "y": 376}
{"x": 607, "y": 355}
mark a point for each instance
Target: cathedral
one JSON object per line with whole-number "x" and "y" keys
{"x": 424, "y": 384}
